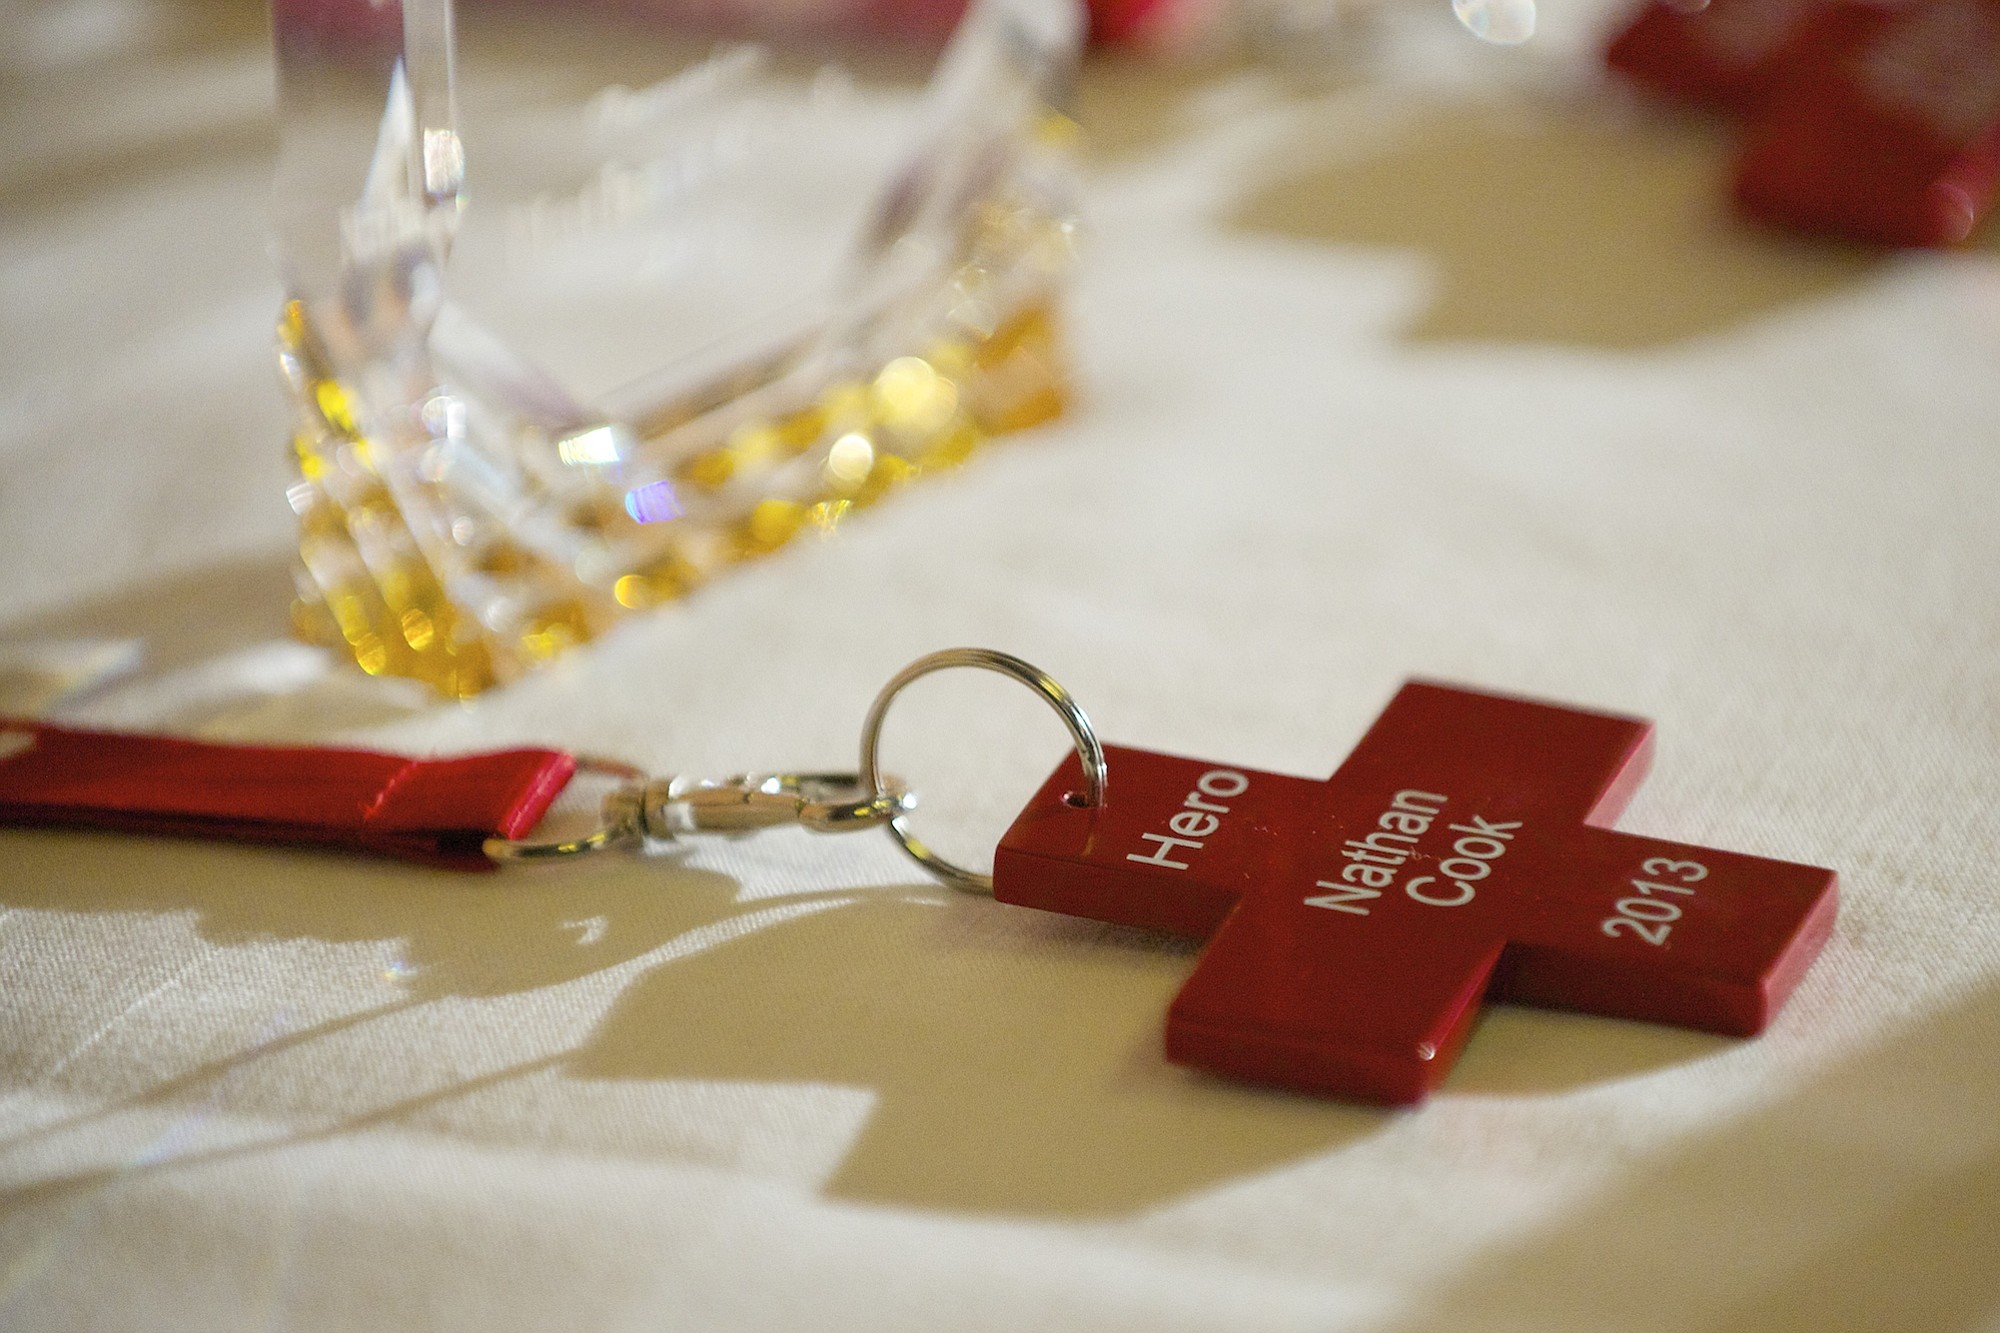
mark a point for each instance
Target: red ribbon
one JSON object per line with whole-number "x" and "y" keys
{"x": 437, "y": 811}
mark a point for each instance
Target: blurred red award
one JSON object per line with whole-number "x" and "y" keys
{"x": 1879, "y": 122}
{"x": 1884, "y": 126}
{"x": 1726, "y": 53}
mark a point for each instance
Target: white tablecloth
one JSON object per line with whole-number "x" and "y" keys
{"x": 1459, "y": 371}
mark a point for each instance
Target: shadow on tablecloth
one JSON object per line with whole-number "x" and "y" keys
{"x": 1869, "y": 1199}
{"x": 1011, "y": 1059}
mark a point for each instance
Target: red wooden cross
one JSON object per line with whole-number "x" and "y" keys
{"x": 1460, "y": 852}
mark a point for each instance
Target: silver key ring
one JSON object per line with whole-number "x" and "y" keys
{"x": 1088, "y": 752}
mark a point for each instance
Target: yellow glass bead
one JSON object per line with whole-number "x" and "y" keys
{"x": 313, "y": 623}
{"x": 1019, "y": 372}
{"x": 472, "y": 672}
{"x": 800, "y": 430}
{"x": 312, "y": 463}
{"x": 1059, "y": 132}
{"x": 657, "y": 581}
{"x": 418, "y": 629}
{"x": 371, "y": 655}
{"x": 560, "y": 625}
{"x": 844, "y": 405}
{"x": 909, "y": 395}
{"x": 396, "y": 585}
{"x": 710, "y": 471}
{"x": 335, "y": 409}
{"x": 949, "y": 447}
{"x": 292, "y": 326}
{"x": 501, "y": 558}
{"x": 950, "y": 357}
{"x": 770, "y": 525}
{"x": 632, "y": 592}
{"x": 351, "y": 609}
{"x": 754, "y": 444}
{"x": 599, "y": 514}
{"x": 827, "y": 513}
{"x": 891, "y": 471}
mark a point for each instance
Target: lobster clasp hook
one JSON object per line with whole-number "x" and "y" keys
{"x": 747, "y": 802}
{"x": 664, "y": 809}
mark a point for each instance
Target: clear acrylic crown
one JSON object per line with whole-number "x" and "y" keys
{"x": 574, "y": 356}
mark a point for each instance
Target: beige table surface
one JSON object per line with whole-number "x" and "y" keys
{"x": 1457, "y": 370}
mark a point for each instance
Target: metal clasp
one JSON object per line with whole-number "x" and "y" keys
{"x": 664, "y": 809}
{"x": 822, "y": 802}
{"x": 667, "y": 809}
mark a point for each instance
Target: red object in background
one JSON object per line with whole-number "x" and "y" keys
{"x": 1459, "y": 854}
{"x": 1726, "y": 53}
{"x": 1877, "y": 121}
{"x": 1130, "y": 22}
{"x": 436, "y": 811}
{"x": 1884, "y": 126}
{"x": 368, "y": 24}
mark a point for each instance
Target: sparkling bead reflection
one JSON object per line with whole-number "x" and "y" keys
{"x": 1502, "y": 22}
{"x": 850, "y": 459}
{"x": 653, "y": 504}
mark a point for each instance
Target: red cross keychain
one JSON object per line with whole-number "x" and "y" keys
{"x": 1354, "y": 925}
